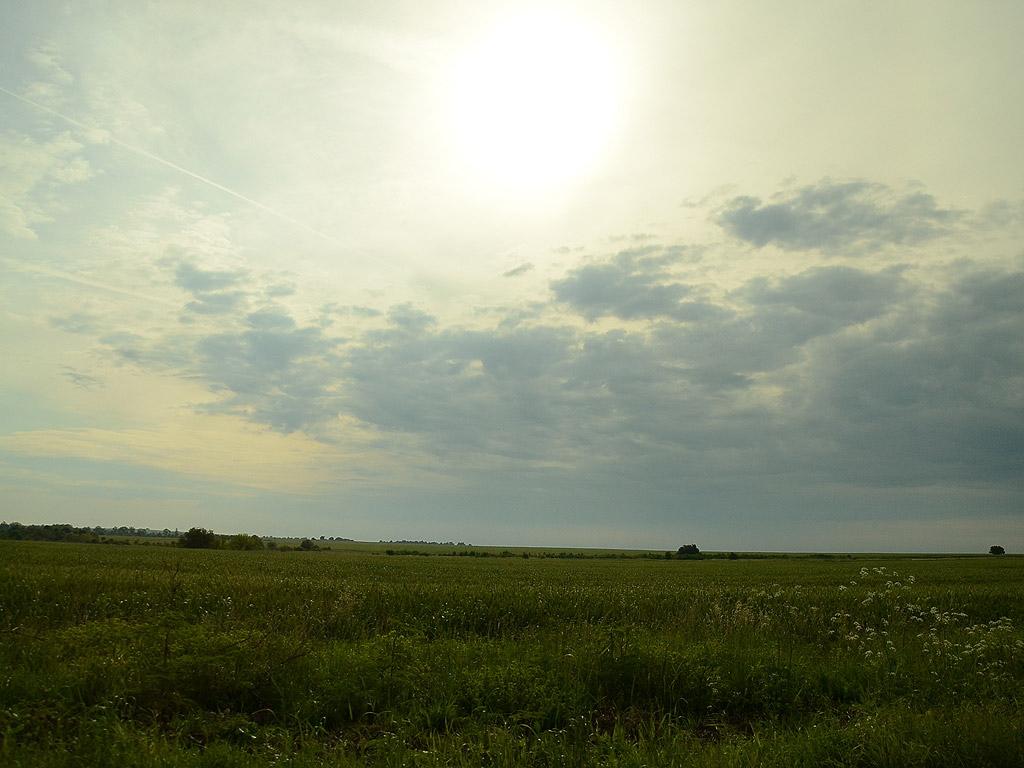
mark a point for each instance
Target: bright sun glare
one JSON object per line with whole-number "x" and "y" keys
{"x": 534, "y": 101}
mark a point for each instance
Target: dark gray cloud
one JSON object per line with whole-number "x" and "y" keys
{"x": 830, "y": 375}
{"x": 273, "y": 373}
{"x": 833, "y": 216}
{"x": 935, "y": 397}
{"x": 523, "y": 390}
{"x": 490, "y": 391}
{"x": 411, "y": 321}
{"x": 522, "y": 269}
{"x": 771, "y": 323}
{"x": 851, "y": 295}
{"x": 629, "y": 287}
{"x": 819, "y": 301}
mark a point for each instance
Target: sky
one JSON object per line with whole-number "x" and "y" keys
{"x": 742, "y": 274}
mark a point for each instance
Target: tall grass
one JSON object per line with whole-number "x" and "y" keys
{"x": 142, "y": 655}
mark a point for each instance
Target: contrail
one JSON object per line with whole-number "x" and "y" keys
{"x": 187, "y": 172}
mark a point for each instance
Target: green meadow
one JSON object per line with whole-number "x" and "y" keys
{"x": 159, "y": 656}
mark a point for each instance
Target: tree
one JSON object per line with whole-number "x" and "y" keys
{"x": 245, "y": 541}
{"x": 199, "y": 538}
{"x": 995, "y": 549}
{"x": 688, "y": 552}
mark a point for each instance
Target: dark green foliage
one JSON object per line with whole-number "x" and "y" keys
{"x": 199, "y": 538}
{"x": 995, "y": 549}
{"x": 245, "y": 541}
{"x": 58, "y": 532}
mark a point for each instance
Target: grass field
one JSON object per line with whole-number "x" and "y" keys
{"x": 147, "y": 655}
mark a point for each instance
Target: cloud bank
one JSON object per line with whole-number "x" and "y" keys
{"x": 633, "y": 379}
{"x": 834, "y": 217}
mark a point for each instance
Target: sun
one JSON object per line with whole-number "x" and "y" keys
{"x": 534, "y": 101}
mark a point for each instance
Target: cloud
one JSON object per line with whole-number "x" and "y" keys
{"x": 273, "y": 373}
{"x": 30, "y": 173}
{"x": 80, "y": 380}
{"x": 210, "y": 288}
{"x": 935, "y": 396}
{"x": 198, "y": 281}
{"x": 676, "y": 389}
{"x": 410, "y": 321}
{"x": 830, "y": 375}
{"x": 279, "y": 290}
{"x": 835, "y": 216}
{"x": 220, "y": 303}
{"x": 476, "y": 396}
{"x": 819, "y": 301}
{"x": 762, "y": 326}
{"x": 522, "y": 269}
{"x": 633, "y": 285}
{"x": 76, "y": 322}
{"x": 129, "y": 347}
{"x": 271, "y": 319}
{"x": 773, "y": 323}
{"x": 365, "y": 311}
{"x": 549, "y": 391}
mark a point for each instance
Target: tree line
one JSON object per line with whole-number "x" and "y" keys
{"x": 201, "y": 538}
{"x": 194, "y": 538}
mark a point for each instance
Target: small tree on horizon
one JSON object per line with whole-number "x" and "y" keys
{"x": 688, "y": 551}
{"x": 995, "y": 549}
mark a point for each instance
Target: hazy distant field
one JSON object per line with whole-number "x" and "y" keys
{"x": 145, "y": 656}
